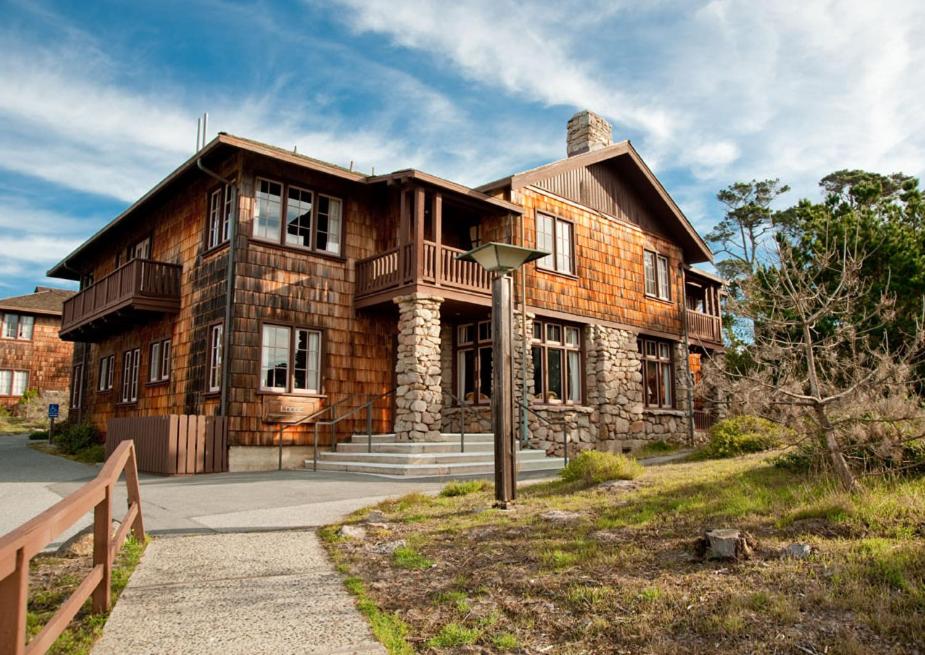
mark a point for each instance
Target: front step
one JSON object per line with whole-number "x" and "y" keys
{"x": 383, "y": 454}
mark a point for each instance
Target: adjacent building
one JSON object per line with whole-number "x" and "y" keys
{"x": 33, "y": 359}
{"x": 267, "y": 286}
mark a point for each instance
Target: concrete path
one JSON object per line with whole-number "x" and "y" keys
{"x": 248, "y": 594}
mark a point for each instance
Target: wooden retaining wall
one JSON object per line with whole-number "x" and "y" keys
{"x": 177, "y": 444}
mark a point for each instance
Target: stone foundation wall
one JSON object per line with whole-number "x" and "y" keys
{"x": 418, "y": 398}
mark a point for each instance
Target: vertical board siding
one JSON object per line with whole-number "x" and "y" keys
{"x": 175, "y": 444}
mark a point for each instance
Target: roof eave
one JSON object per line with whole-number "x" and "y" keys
{"x": 455, "y": 187}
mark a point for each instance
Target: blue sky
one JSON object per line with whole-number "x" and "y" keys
{"x": 98, "y": 100}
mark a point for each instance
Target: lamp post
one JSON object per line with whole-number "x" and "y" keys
{"x": 500, "y": 259}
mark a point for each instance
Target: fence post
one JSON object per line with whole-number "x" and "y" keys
{"x": 14, "y": 594}
{"x": 134, "y": 494}
{"x": 315, "y": 449}
{"x": 102, "y": 536}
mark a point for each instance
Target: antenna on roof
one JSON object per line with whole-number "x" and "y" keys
{"x": 374, "y": 170}
{"x": 202, "y": 129}
{"x": 295, "y": 150}
{"x": 351, "y": 165}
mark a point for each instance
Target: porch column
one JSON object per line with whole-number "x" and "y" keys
{"x": 418, "y": 398}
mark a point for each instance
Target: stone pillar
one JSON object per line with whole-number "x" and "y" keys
{"x": 418, "y": 398}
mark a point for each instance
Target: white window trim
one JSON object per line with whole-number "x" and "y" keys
{"x": 214, "y": 371}
{"x": 340, "y": 226}
{"x": 290, "y": 387}
{"x": 312, "y": 221}
{"x": 551, "y": 263}
{"x": 660, "y": 282}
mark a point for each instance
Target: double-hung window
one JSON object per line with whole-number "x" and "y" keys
{"x": 13, "y": 383}
{"x": 130, "y": 361}
{"x": 657, "y": 373}
{"x": 557, "y": 237}
{"x": 658, "y": 280}
{"x": 221, "y": 202}
{"x": 290, "y": 359}
{"x": 216, "y": 333}
{"x": 298, "y": 217}
{"x": 473, "y": 362}
{"x": 556, "y": 363}
{"x": 10, "y": 326}
{"x": 107, "y": 367}
{"x": 159, "y": 361}
{"x": 18, "y": 326}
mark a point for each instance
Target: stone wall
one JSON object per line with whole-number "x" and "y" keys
{"x": 418, "y": 398}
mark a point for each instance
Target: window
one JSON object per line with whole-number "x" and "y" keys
{"x": 299, "y": 218}
{"x": 657, "y": 373}
{"x": 77, "y": 386}
{"x": 474, "y": 362}
{"x": 10, "y": 326}
{"x": 13, "y": 383}
{"x": 130, "y": 361}
{"x": 26, "y": 327}
{"x": 556, "y": 363}
{"x": 107, "y": 367}
{"x": 215, "y": 357}
{"x": 221, "y": 203}
{"x": 557, "y": 237}
{"x": 290, "y": 360}
{"x": 658, "y": 281}
{"x": 314, "y": 221}
{"x": 159, "y": 361}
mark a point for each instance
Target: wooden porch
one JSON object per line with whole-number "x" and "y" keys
{"x": 141, "y": 286}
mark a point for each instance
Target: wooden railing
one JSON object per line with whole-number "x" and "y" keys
{"x": 19, "y": 547}
{"x": 439, "y": 266}
{"x": 139, "y": 278}
{"x": 704, "y": 326}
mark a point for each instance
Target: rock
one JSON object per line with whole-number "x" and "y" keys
{"x": 618, "y": 485}
{"x": 374, "y": 516}
{"x": 726, "y": 544}
{"x": 353, "y": 531}
{"x": 388, "y": 547}
{"x": 798, "y": 551}
{"x": 560, "y": 516}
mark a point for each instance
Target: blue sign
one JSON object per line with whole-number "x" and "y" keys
{"x": 53, "y": 410}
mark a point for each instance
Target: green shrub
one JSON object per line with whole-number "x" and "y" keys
{"x": 744, "y": 434}
{"x": 38, "y": 435}
{"x": 77, "y": 437}
{"x": 593, "y": 467}
{"x": 462, "y": 488}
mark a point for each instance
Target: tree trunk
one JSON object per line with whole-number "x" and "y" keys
{"x": 836, "y": 458}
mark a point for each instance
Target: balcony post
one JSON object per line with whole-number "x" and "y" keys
{"x": 404, "y": 231}
{"x": 436, "y": 213}
{"x": 419, "y": 200}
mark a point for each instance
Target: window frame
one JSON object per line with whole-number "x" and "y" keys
{"x": 290, "y": 388}
{"x": 280, "y": 239}
{"x": 475, "y": 346}
{"x": 157, "y": 364}
{"x": 554, "y": 253}
{"x": 10, "y": 391}
{"x": 104, "y": 383}
{"x": 6, "y": 322}
{"x": 77, "y": 384}
{"x": 216, "y": 357}
{"x": 547, "y": 342}
{"x": 662, "y": 364}
{"x": 131, "y": 369}
{"x": 659, "y": 280}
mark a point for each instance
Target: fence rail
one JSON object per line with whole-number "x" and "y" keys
{"x": 19, "y": 547}
{"x": 704, "y": 326}
{"x": 177, "y": 444}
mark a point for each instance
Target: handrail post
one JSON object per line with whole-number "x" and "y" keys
{"x": 102, "y": 536}
{"x": 315, "y": 448}
{"x": 280, "y": 464}
{"x": 14, "y": 595}
{"x": 462, "y": 429}
{"x": 133, "y": 492}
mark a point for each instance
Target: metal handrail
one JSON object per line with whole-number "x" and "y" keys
{"x": 549, "y": 423}
{"x": 462, "y": 419}
{"x": 368, "y": 405}
{"x": 305, "y": 419}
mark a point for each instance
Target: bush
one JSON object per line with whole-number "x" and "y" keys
{"x": 463, "y": 488}
{"x": 77, "y": 437}
{"x": 744, "y": 434}
{"x": 38, "y": 435}
{"x": 593, "y": 467}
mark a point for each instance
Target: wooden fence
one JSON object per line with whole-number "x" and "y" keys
{"x": 19, "y": 547}
{"x": 177, "y": 444}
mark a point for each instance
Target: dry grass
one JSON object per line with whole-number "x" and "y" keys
{"x": 624, "y": 578}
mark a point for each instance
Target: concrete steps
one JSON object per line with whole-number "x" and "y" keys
{"x": 440, "y": 457}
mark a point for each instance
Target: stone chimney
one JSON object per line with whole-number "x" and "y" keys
{"x": 587, "y": 132}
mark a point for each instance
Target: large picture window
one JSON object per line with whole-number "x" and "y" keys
{"x": 556, "y": 363}
{"x": 312, "y": 221}
{"x": 473, "y": 362}
{"x": 290, "y": 360}
{"x": 557, "y": 237}
{"x": 658, "y": 280}
{"x": 657, "y": 373}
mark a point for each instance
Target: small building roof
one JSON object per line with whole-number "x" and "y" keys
{"x": 46, "y": 301}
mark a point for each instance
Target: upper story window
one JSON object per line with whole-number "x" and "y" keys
{"x": 18, "y": 326}
{"x": 130, "y": 361}
{"x": 658, "y": 281}
{"x": 221, "y": 203}
{"x": 313, "y": 221}
{"x": 556, "y": 363}
{"x": 557, "y": 237}
{"x": 657, "y": 373}
{"x": 290, "y": 360}
{"x": 141, "y": 249}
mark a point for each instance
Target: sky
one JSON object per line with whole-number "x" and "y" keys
{"x": 99, "y": 100}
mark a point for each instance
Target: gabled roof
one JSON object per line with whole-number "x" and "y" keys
{"x": 45, "y": 301}
{"x": 624, "y": 152}
{"x": 63, "y": 270}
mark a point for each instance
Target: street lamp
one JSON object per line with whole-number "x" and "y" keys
{"x": 500, "y": 259}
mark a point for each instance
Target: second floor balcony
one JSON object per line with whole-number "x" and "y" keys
{"x": 137, "y": 290}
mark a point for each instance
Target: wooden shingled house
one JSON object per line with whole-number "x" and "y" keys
{"x": 289, "y": 294}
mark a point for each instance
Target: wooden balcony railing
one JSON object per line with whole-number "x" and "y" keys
{"x": 141, "y": 284}
{"x": 19, "y": 546}
{"x": 396, "y": 268}
{"x": 704, "y": 326}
